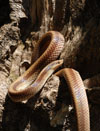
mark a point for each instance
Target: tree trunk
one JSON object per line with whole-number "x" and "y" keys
{"x": 22, "y": 23}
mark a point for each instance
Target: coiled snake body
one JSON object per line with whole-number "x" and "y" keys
{"x": 48, "y": 49}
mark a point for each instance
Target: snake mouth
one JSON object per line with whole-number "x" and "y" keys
{"x": 58, "y": 63}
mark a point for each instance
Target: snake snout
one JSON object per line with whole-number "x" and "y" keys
{"x": 57, "y": 64}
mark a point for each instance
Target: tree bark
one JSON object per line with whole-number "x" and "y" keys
{"x": 22, "y": 23}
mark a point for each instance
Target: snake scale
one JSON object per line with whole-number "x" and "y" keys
{"x": 47, "y": 51}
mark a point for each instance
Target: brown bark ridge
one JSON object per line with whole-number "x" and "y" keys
{"x": 22, "y": 23}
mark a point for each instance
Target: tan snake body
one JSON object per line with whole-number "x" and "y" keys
{"x": 78, "y": 93}
{"x": 48, "y": 49}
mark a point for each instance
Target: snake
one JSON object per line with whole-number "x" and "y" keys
{"x": 46, "y": 51}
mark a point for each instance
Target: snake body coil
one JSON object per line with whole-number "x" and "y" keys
{"x": 48, "y": 49}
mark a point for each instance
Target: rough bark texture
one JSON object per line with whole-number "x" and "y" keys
{"x": 22, "y": 23}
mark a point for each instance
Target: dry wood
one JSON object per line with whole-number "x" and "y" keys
{"x": 78, "y": 21}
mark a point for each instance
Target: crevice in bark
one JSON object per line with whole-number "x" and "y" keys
{"x": 4, "y": 12}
